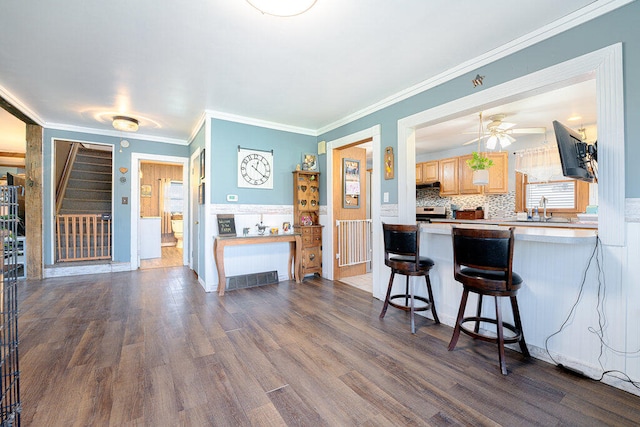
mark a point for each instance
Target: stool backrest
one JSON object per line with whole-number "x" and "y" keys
{"x": 401, "y": 239}
{"x": 484, "y": 249}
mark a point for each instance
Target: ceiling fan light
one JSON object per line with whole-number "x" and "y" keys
{"x": 504, "y": 141}
{"x": 282, "y": 8}
{"x": 491, "y": 142}
{"x": 125, "y": 124}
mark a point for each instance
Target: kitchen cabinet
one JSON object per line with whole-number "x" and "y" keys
{"x": 466, "y": 177}
{"x": 448, "y": 174}
{"x": 498, "y": 174}
{"x": 427, "y": 172}
{"x": 456, "y": 177}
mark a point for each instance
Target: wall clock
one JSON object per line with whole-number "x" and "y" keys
{"x": 255, "y": 168}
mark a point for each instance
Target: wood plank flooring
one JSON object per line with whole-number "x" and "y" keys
{"x": 151, "y": 348}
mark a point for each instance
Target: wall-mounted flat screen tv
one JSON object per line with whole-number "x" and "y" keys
{"x": 579, "y": 159}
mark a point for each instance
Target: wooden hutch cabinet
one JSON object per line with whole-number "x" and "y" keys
{"x": 306, "y": 206}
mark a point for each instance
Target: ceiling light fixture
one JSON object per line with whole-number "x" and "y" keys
{"x": 282, "y": 8}
{"x": 125, "y": 124}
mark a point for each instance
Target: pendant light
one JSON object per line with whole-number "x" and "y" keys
{"x": 481, "y": 176}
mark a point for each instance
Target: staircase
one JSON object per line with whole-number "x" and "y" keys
{"x": 83, "y": 221}
{"x": 89, "y": 187}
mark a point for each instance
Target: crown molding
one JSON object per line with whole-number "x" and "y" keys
{"x": 587, "y": 13}
{"x": 260, "y": 123}
{"x": 114, "y": 133}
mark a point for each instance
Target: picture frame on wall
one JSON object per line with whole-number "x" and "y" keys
{"x": 145, "y": 190}
{"x": 202, "y": 164}
{"x": 201, "y": 193}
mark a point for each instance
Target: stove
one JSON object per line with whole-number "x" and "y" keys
{"x": 426, "y": 213}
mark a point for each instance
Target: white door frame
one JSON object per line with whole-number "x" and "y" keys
{"x": 134, "y": 201}
{"x": 327, "y": 255}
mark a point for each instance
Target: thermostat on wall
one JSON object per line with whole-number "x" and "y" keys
{"x": 232, "y": 197}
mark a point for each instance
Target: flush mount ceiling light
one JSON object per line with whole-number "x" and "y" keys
{"x": 125, "y": 124}
{"x": 282, "y": 8}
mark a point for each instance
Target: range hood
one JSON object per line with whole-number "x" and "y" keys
{"x": 435, "y": 184}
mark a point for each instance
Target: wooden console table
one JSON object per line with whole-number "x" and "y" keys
{"x": 220, "y": 242}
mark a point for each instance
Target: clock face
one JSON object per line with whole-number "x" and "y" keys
{"x": 255, "y": 169}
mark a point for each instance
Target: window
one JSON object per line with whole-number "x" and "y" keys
{"x": 563, "y": 196}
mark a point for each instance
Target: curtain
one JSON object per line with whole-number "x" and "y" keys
{"x": 539, "y": 164}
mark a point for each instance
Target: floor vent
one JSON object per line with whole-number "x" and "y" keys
{"x": 251, "y": 280}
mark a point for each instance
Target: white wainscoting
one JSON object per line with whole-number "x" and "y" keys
{"x": 553, "y": 274}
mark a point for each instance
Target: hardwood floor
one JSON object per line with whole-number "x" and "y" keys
{"x": 171, "y": 257}
{"x": 151, "y": 348}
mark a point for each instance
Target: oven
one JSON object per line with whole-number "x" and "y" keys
{"x": 427, "y": 213}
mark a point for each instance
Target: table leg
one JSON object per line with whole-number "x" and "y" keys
{"x": 218, "y": 255}
{"x": 298, "y": 258}
{"x": 292, "y": 258}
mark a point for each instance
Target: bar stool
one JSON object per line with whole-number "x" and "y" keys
{"x": 482, "y": 261}
{"x": 401, "y": 254}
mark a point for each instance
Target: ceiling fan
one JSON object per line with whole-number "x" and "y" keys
{"x": 497, "y": 131}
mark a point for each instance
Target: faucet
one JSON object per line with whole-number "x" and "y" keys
{"x": 543, "y": 205}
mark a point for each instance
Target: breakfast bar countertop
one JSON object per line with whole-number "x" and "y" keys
{"x": 523, "y": 231}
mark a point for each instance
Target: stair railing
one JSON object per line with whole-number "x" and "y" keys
{"x": 66, "y": 173}
{"x": 83, "y": 237}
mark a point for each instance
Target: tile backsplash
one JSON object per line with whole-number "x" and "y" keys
{"x": 495, "y": 205}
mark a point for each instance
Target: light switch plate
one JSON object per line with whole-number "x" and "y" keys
{"x": 125, "y": 200}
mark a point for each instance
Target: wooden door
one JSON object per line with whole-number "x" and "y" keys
{"x": 349, "y": 213}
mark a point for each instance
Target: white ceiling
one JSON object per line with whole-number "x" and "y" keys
{"x": 165, "y": 63}
{"x": 565, "y": 105}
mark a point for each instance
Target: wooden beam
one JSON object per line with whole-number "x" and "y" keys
{"x": 15, "y": 112}
{"x": 12, "y": 155}
{"x": 33, "y": 202}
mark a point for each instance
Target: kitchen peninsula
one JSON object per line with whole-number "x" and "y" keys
{"x": 556, "y": 263}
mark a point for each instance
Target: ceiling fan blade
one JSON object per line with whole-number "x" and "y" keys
{"x": 540, "y": 130}
{"x": 505, "y": 126}
{"x": 472, "y": 141}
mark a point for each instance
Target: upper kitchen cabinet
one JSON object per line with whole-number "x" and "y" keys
{"x": 427, "y": 172}
{"x": 498, "y": 174}
{"x": 466, "y": 177}
{"x": 448, "y": 174}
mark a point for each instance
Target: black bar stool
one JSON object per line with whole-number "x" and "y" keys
{"x": 401, "y": 254}
{"x": 482, "y": 261}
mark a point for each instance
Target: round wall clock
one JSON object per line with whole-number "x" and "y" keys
{"x": 255, "y": 168}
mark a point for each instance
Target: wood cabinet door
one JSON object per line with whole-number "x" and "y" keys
{"x": 466, "y": 177}
{"x": 430, "y": 171}
{"x": 448, "y": 172}
{"x": 419, "y": 173}
{"x": 498, "y": 174}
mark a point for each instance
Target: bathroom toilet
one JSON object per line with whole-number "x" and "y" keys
{"x": 177, "y": 227}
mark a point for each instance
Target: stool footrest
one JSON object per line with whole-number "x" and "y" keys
{"x": 490, "y": 338}
{"x": 425, "y": 307}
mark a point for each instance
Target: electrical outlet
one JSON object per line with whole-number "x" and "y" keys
{"x": 125, "y": 200}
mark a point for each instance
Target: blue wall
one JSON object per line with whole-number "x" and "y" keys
{"x": 121, "y": 213}
{"x": 287, "y": 148}
{"x": 614, "y": 27}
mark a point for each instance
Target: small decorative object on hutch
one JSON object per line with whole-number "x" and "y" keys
{"x": 306, "y": 206}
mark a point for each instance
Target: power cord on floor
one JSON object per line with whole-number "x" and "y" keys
{"x": 602, "y": 323}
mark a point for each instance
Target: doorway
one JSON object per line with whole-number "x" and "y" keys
{"x": 162, "y": 207}
{"x": 369, "y": 276}
{"x": 159, "y": 191}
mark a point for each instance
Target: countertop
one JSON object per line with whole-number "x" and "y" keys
{"x": 511, "y": 223}
{"x": 523, "y": 231}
